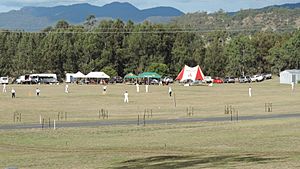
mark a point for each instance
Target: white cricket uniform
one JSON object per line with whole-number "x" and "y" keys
{"x": 4, "y": 88}
{"x": 147, "y": 88}
{"x": 137, "y": 87}
{"x": 250, "y": 92}
{"x": 126, "y": 100}
{"x": 66, "y": 89}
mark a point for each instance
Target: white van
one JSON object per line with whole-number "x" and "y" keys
{"x": 3, "y": 80}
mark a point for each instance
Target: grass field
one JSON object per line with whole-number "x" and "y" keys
{"x": 84, "y": 102}
{"x": 244, "y": 144}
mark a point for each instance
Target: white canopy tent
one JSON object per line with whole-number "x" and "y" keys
{"x": 71, "y": 77}
{"x": 79, "y": 75}
{"x": 92, "y": 77}
{"x": 97, "y": 77}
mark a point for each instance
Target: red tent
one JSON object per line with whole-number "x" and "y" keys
{"x": 190, "y": 73}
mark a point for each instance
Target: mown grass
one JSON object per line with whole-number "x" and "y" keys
{"x": 84, "y": 102}
{"x": 245, "y": 144}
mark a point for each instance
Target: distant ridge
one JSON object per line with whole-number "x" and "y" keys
{"x": 282, "y": 18}
{"x": 284, "y": 6}
{"x": 288, "y": 6}
{"x": 37, "y": 18}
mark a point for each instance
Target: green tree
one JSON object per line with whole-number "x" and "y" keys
{"x": 110, "y": 71}
{"x": 215, "y": 60}
{"x": 262, "y": 42}
{"x": 62, "y": 24}
{"x": 160, "y": 68}
{"x": 240, "y": 56}
{"x": 90, "y": 21}
{"x": 182, "y": 51}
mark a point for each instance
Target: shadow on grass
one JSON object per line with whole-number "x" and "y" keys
{"x": 172, "y": 161}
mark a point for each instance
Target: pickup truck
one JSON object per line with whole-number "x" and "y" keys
{"x": 267, "y": 75}
{"x": 257, "y": 78}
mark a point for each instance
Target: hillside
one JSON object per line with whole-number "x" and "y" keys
{"x": 284, "y": 17}
{"x": 37, "y": 18}
{"x": 275, "y": 19}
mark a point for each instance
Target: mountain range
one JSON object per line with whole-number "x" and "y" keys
{"x": 38, "y": 18}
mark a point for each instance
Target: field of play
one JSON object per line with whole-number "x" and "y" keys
{"x": 262, "y": 143}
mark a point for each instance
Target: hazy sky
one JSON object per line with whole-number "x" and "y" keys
{"x": 183, "y": 5}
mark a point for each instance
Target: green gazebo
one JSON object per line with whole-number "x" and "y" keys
{"x": 152, "y": 75}
{"x": 130, "y": 76}
{"x": 146, "y": 76}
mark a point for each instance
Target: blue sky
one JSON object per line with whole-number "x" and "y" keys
{"x": 183, "y": 5}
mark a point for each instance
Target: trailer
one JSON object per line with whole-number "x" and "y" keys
{"x": 26, "y": 79}
{"x": 37, "y": 78}
{"x": 46, "y": 78}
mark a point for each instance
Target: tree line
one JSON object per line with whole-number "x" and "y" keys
{"x": 118, "y": 48}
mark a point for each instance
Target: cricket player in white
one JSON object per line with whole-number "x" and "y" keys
{"x": 126, "y": 97}
{"x": 147, "y": 88}
{"x": 67, "y": 88}
{"x": 137, "y": 87}
{"x": 250, "y": 91}
{"x": 4, "y": 88}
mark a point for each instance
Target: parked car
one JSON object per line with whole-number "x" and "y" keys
{"x": 267, "y": 76}
{"x": 217, "y": 80}
{"x": 244, "y": 79}
{"x": 167, "y": 80}
{"x": 257, "y": 78}
{"x": 116, "y": 79}
{"x": 48, "y": 80}
{"x": 154, "y": 82}
{"x": 229, "y": 79}
{"x": 208, "y": 79}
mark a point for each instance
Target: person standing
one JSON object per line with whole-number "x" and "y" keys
{"x": 104, "y": 89}
{"x": 170, "y": 91}
{"x": 137, "y": 87}
{"x": 293, "y": 86}
{"x": 4, "y": 88}
{"x": 67, "y": 88}
{"x": 13, "y": 93}
{"x": 126, "y": 100}
{"x": 160, "y": 83}
{"x": 147, "y": 88}
{"x": 250, "y": 91}
{"x": 37, "y": 91}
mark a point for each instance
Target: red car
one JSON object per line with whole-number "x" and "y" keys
{"x": 217, "y": 80}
